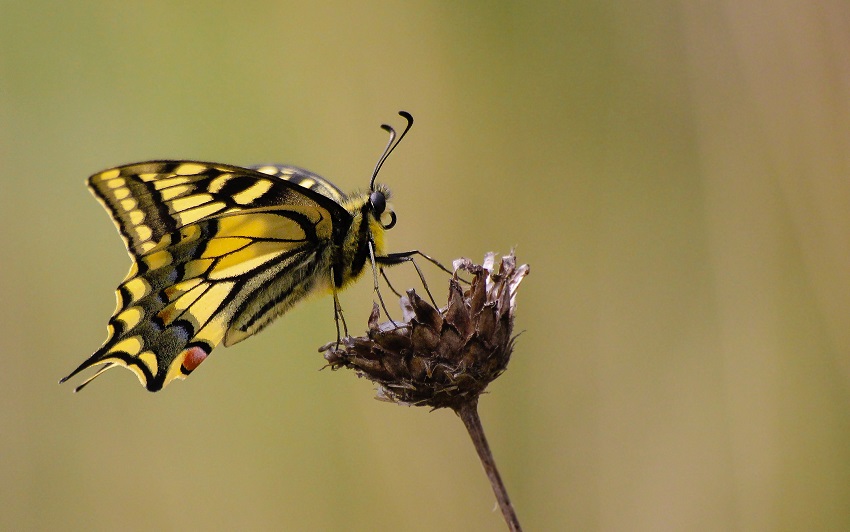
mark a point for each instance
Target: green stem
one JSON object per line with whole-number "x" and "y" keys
{"x": 468, "y": 412}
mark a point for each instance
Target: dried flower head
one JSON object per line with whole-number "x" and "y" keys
{"x": 440, "y": 358}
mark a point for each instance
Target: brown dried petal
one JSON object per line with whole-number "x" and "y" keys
{"x": 477, "y": 296}
{"x": 457, "y": 315}
{"x": 425, "y": 313}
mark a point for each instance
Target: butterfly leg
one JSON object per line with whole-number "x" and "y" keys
{"x": 387, "y": 280}
{"x": 338, "y": 315}
{"x": 407, "y": 256}
{"x": 372, "y": 258}
{"x": 392, "y": 259}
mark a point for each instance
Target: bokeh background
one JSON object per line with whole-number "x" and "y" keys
{"x": 676, "y": 173}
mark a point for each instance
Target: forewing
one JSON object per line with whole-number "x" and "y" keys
{"x": 150, "y": 200}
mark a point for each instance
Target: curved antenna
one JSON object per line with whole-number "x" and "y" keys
{"x": 391, "y": 145}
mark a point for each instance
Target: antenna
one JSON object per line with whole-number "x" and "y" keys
{"x": 391, "y": 145}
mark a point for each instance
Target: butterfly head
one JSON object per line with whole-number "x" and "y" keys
{"x": 379, "y": 209}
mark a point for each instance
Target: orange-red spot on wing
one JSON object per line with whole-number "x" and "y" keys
{"x": 194, "y": 357}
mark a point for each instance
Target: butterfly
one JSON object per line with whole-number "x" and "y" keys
{"x": 219, "y": 251}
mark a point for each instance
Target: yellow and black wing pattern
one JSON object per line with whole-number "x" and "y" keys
{"x": 218, "y": 252}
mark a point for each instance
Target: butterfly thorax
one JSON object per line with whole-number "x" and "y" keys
{"x": 353, "y": 256}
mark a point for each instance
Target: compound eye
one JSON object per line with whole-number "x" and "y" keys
{"x": 378, "y": 201}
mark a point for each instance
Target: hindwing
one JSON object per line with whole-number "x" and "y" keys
{"x": 303, "y": 178}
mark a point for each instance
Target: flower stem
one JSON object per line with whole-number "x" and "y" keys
{"x": 468, "y": 412}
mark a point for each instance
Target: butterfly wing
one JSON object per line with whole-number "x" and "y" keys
{"x": 218, "y": 252}
{"x": 152, "y": 199}
{"x": 303, "y": 178}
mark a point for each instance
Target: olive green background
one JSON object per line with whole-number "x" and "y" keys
{"x": 675, "y": 173}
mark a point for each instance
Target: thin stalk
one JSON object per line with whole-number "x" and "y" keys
{"x": 468, "y": 412}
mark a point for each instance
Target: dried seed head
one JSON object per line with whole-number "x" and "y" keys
{"x": 440, "y": 358}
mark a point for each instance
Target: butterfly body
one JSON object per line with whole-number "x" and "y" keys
{"x": 219, "y": 251}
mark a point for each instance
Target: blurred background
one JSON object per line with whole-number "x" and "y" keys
{"x": 675, "y": 173}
